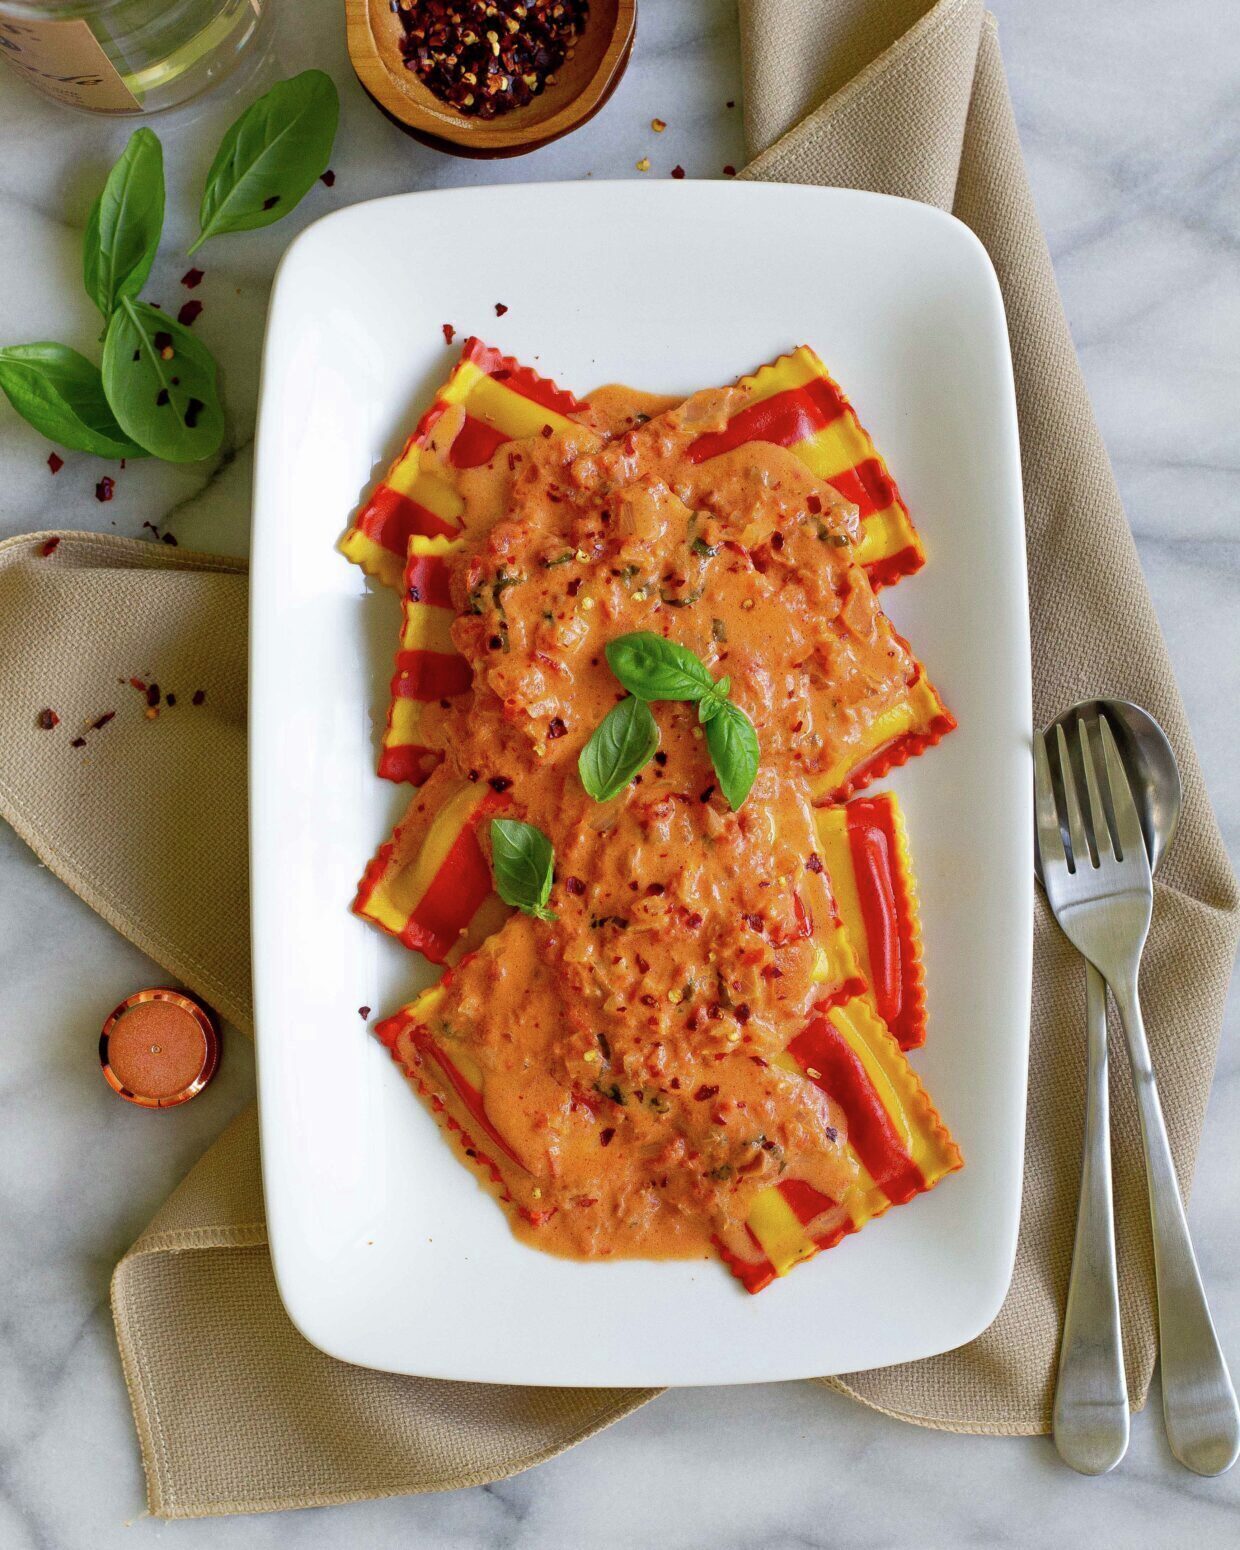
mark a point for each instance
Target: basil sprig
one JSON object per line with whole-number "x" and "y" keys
{"x": 652, "y": 668}
{"x": 271, "y": 157}
{"x": 161, "y": 381}
{"x": 523, "y": 863}
{"x": 122, "y": 234}
{"x": 157, "y": 391}
{"x": 61, "y": 394}
{"x": 623, "y": 743}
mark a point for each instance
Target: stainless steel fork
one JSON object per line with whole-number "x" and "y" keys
{"x": 1097, "y": 875}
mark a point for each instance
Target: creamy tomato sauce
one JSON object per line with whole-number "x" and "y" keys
{"x": 630, "y": 1052}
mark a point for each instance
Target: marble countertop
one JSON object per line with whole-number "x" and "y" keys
{"x": 1136, "y": 179}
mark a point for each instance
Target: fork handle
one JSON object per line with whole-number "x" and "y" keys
{"x": 1199, "y": 1402}
{"x": 1091, "y": 1397}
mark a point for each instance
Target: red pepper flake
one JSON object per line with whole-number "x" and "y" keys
{"x": 170, "y": 698}
{"x": 606, "y": 1136}
{"x": 813, "y": 862}
{"x": 194, "y": 407}
{"x": 192, "y": 279}
{"x": 328, "y": 178}
{"x": 499, "y": 783}
{"x": 660, "y": 758}
{"x": 50, "y": 546}
{"x": 754, "y": 922}
{"x": 103, "y": 720}
{"x": 546, "y": 432}
{"x": 484, "y": 58}
{"x": 449, "y": 333}
{"x": 363, "y": 1012}
{"x": 55, "y": 463}
{"x": 500, "y": 309}
{"x": 693, "y": 920}
{"x": 138, "y": 683}
{"x": 678, "y": 171}
{"x": 199, "y": 696}
{"x": 575, "y": 886}
{"x": 707, "y": 794}
{"x": 271, "y": 201}
{"x": 189, "y": 314}
{"x": 556, "y": 728}
{"x": 742, "y": 1013}
{"x": 78, "y": 742}
{"x": 729, "y": 171}
{"x": 730, "y": 104}
{"x": 46, "y": 720}
{"x": 152, "y": 694}
{"x": 813, "y": 504}
{"x": 163, "y": 340}
{"x": 705, "y": 1093}
{"x": 105, "y": 488}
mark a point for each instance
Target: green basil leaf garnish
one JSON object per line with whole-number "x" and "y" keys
{"x": 734, "y": 751}
{"x": 61, "y": 394}
{"x": 271, "y": 157}
{"x": 623, "y": 743}
{"x": 523, "y": 861}
{"x": 169, "y": 406}
{"x": 122, "y": 234}
{"x": 656, "y": 669}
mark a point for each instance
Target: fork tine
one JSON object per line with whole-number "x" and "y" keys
{"x": 1097, "y": 813}
{"x": 1127, "y": 823}
{"x": 1050, "y": 837}
{"x": 1076, "y": 828}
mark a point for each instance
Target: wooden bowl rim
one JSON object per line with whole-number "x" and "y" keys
{"x": 480, "y": 136}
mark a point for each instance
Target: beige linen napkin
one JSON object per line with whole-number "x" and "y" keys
{"x": 235, "y": 1411}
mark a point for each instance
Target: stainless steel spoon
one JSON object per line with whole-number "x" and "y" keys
{"x": 1091, "y": 1417}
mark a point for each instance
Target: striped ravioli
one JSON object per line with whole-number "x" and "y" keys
{"x": 796, "y": 403}
{"x": 429, "y": 670}
{"x": 865, "y": 850}
{"x": 429, "y": 885}
{"x": 487, "y": 400}
{"x": 898, "y": 1144}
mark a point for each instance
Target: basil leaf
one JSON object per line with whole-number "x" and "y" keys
{"x": 271, "y": 157}
{"x": 657, "y": 669}
{"x": 522, "y": 860}
{"x": 123, "y": 231}
{"x": 623, "y": 743}
{"x": 171, "y": 406}
{"x": 61, "y": 394}
{"x": 734, "y": 751}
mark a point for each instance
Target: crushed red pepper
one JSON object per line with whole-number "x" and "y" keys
{"x": 189, "y": 313}
{"x": 486, "y": 57}
{"x": 50, "y": 546}
{"x": 192, "y": 279}
{"x": 328, "y": 178}
{"x": 449, "y": 333}
{"x": 46, "y": 720}
{"x": 105, "y": 488}
{"x": 54, "y": 462}
{"x": 500, "y": 309}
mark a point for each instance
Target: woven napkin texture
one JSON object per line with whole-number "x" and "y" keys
{"x": 235, "y": 1411}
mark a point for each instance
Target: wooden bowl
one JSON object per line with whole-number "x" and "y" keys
{"x": 583, "y": 83}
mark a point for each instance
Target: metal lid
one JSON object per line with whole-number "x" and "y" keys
{"x": 159, "y": 1048}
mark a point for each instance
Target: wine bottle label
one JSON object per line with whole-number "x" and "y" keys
{"x": 64, "y": 60}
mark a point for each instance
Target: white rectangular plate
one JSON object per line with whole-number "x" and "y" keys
{"x": 386, "y": 1251}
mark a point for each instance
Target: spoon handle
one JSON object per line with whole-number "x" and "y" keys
{"x": 1091, "y": 1395}
{"x": 1199, "y": 1402}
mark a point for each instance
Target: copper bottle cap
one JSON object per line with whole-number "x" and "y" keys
{"x": 159, "y": 1048}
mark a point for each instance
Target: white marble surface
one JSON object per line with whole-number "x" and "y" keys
{"x": 1127, "y": 114}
